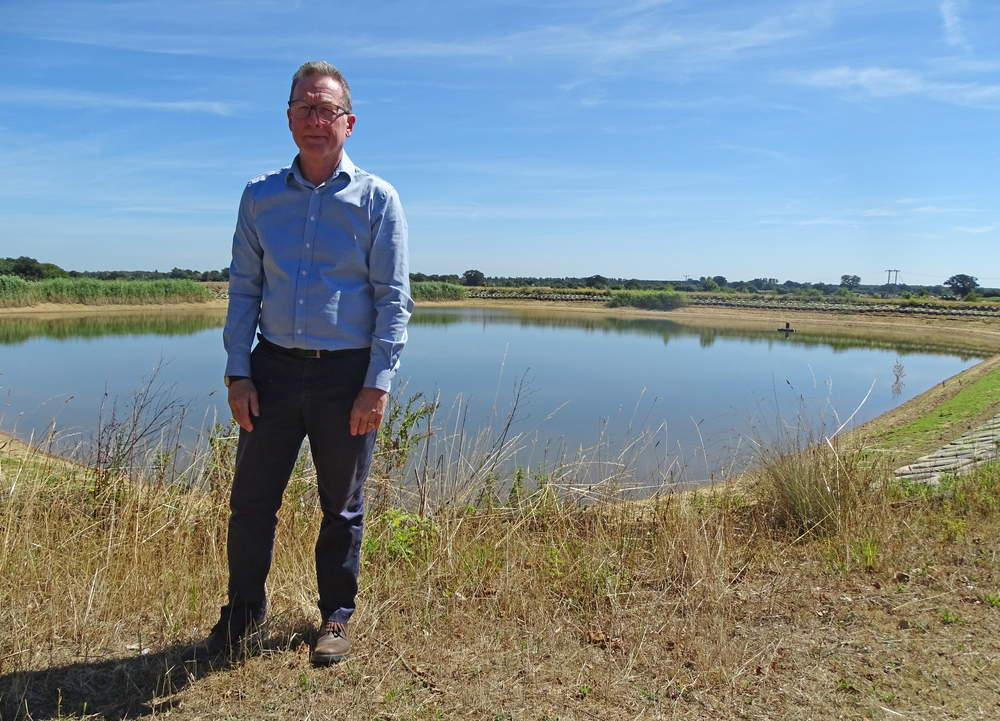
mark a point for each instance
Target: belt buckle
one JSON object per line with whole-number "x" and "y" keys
{"x": 314, "y": 353}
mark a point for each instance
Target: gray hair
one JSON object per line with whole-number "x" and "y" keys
{"x": 319, "y": 67}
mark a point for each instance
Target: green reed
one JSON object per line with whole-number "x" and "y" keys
{"x": 647, "y": 299}
{"x": 15, "y": 292}
{"x": 432, "y": 290}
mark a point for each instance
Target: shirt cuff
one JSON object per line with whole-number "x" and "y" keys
{"x": 381, "y": 379}
{"x": 238, "y": 365}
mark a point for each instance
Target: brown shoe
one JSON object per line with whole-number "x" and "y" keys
{"x": 333, "y": 644}
{"x": 224, "y": 640}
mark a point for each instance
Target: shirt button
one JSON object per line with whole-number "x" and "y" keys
{"x": 301, "y": 301}
{"x": 299, "y": 331}
{"x": 307, "y": 245}
{"x": 312, "y": 217}
{"x": 303, "y": 272}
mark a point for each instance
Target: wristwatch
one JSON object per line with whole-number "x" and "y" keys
{"x": 230, "y": 379}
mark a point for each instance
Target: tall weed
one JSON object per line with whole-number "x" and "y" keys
{"x": 819, "y": 489}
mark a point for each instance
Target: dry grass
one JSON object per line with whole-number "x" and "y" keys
{"x": 815, "y": 590}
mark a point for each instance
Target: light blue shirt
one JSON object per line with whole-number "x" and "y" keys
{"x": 320, "y": 267}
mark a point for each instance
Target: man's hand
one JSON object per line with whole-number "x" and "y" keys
{"x": 243, "y": 402}
{"x": 369, "y": 407}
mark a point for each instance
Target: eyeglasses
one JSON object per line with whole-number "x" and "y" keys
{"x": 326, "y": 112}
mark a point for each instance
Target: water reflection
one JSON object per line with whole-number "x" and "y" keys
{"x": 18, "y": 329}
{"x": 837, "y": 341}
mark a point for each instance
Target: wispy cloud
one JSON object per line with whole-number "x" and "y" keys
{"x": 826, "y": 221}
{"x": 774, "y": 154}
{"x": 77, "y": 99}
{"x": 953, "y": 33}
{"x": 643, "y": 30}
{"x": 185, "y": 206}
{"x": 631, "y": 38}
{"x": 911, "y": 207}
{"x": 891, "y": 82}
{"x": 977, "y": 231}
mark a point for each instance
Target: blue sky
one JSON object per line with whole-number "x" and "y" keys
{"x": 800, "y": 140}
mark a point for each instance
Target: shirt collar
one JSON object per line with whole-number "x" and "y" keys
{"x": 346, "y": 166}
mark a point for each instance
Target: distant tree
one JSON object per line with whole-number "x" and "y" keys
{"x": 473, "y": 277}
{"x": 709, "y": 285}
{"x": 851, "y": 282}
{"x": 633, "y": 284}
{"x": 28, "y": 268}
{"x": 596, "y": 281}
{"x": 721, "y": 280}
{"x": 764, "y": 283}
{"x": 6, "y": 266}
{"x": 962, "y": 284}
{"x": 54, "y": 271}
{"x": 806, "y": 292}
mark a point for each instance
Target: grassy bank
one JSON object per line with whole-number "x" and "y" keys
{"x": 970, "y": 405}
{"x": 816, "y": 589}
{"x": 937, "y": 416}
{"x": 16, "y": 293}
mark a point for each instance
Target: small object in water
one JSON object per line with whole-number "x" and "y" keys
{"x": 787, "y": 329}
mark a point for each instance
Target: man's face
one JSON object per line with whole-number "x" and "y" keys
{"x": 318, "y": 141}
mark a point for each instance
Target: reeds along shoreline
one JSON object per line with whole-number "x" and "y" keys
{"x": 16, "y": 292}
{"x": 126, "y": 552}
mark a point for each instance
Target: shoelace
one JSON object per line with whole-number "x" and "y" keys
{"x": 337, "y": 629}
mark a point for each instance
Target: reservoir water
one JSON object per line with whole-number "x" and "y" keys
{"x": 701, "y": 396}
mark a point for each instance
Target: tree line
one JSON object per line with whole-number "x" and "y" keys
{"x": 960, "y": 285}
{"x": 30, "y": 269}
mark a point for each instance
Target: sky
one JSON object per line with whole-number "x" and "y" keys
{"x": 648, "y": 139}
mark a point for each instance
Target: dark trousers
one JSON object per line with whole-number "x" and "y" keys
{"x": 299, "y": 397}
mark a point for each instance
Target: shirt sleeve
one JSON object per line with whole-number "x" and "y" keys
{"x": 389, "y": 275}
{"x": 246, "y": 281}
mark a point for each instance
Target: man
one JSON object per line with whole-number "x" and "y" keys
{"x": 320, "y": 268}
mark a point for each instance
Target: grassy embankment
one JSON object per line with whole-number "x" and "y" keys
{"x": 646, "y": 299}
{"x": 817, "y": 588}
{"x": 937, "y": 416}
{"x": 17, "y": 293}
